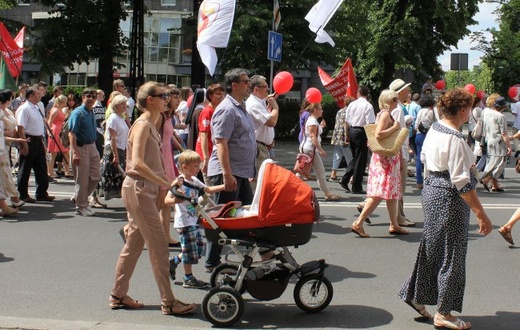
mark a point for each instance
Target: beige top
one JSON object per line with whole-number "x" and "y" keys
{"x": 152, "y": 156}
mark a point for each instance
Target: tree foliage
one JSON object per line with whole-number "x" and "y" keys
{"x": 7, "y": 4}
{"x": 502, "y": 52}
{"x": 78, "y": 32}
{"x": 479, "y": 76}
{"x": 381, "y": 36}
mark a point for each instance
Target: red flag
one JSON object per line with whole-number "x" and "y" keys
{"x": 344, "y": 84}
{"x": 13, "y": 55}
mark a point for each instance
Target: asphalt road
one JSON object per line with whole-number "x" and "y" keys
{"x": 56, "y": 269}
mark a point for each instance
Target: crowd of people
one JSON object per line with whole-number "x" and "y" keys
{"x": 217, "y": 138}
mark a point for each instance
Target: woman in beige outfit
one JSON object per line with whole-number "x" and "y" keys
{"x": 145, "y": 176}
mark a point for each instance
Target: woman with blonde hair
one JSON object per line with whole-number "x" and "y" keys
{"x": 54, "y": 146}
{"x": 145, "y": 177}
{"x": 114, "y": 150}
{"x": 384, "y": 176}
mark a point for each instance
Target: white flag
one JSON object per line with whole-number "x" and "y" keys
{"x": 318, "y": 17}
{"x": 214, "y": 27}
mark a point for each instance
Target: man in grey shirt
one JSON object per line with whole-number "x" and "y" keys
{"x": 232, "y": 160}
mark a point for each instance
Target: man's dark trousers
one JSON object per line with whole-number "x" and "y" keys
{"x": 356, "y": 167}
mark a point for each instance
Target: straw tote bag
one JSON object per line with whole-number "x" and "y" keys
{"x": 388, "y": 146}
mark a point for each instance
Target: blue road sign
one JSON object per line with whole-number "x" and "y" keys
{"x": 274, "y": 46}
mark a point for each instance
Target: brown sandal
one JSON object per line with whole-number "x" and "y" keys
{"x": 178, "y": 308}
{"x": 506, "y": 234}
{"x": 125, "y": 302}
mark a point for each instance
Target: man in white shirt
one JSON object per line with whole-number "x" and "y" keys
{"x": 515, "y": 110}
{"x": 359, "y": 113}
{"x": 402, "y": 90}
{"x": 33, "y": 153}
{"x": 264, "y": 110}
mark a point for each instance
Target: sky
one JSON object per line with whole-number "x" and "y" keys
{"x": 485, "y": 19}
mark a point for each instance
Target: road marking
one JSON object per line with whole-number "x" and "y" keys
{"x": 418, "y": 205}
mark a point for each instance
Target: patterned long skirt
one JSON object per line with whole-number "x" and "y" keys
{"x": 111, "y": 178}
{"x": 439, "y": 274}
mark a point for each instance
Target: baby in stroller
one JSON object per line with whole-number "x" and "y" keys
{"x": 186, "y": 218}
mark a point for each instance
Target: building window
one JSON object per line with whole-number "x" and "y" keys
{"x": 24, "y": 2}
{"x": 168, "y": 2}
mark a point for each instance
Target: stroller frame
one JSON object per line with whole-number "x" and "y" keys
{"x": 265, "y": 280}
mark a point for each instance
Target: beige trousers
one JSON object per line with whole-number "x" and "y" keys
{"x": 86, "y": 174}
{"x": 144, "y": 226}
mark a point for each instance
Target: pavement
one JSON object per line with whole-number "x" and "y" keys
{"x": 56, "y": 268}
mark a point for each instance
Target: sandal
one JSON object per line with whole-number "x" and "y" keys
{"x": 439, "y": 323}
{"x": 506, "y": 234}
{"x": 359, "y": 231}
{"x": 421, "y": 309}
{"x": 333, "y": 198}
{"x": 125, "y": 302}
{"x": 178, "y": 308}
{"x": 332, "y": 179}
{"x": 484, "y": 184}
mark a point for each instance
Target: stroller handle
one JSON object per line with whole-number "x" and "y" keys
{"x": 175, "y": 193}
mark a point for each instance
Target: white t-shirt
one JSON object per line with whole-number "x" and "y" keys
{"x": 398, "y": 115}
{"x": 182, "y": 111}
{"x": 515, "y": 110}
{"x": 185, "y": 213}
{"x": 119, "y": 125}
{"x": 307, "y": 145}
{"x": 130, "y": 104}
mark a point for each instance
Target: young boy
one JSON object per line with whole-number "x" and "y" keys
{"x": 186, "y": 219}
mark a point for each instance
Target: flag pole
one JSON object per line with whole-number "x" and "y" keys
{"x": 272, "y": 62}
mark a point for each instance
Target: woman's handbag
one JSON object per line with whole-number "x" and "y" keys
{"x": 303, "y": 164}
{"x": 477, "y": 131}
{"x": 389, "y": 146}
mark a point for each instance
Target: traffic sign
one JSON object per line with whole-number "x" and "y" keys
{"x": 274, "y": 46}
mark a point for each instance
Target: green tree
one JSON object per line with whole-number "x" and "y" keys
{"x": 502, "y": 52}
{"x": 78, "y": 32}
{"x": 7, "y": 4}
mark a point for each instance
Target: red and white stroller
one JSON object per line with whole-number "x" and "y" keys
{"x": 282, "y": 214}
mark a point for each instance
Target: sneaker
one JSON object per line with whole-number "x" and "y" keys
{"x": 173, "y": 269}
{"x": 85, "y": 211}
{"x": 194, "y": 283}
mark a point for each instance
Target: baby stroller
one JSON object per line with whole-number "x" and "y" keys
{"x": 281, "y": 215}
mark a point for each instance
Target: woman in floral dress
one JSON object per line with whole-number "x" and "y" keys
{"x": 384, "y": 178}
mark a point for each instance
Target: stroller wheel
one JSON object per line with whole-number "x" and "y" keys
{"x": 223, "y": 306}
{"x": 313, "y": 293}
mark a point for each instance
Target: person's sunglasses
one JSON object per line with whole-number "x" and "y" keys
{"x": 163, "y": 96}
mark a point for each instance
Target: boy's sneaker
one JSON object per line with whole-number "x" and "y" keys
{"x": 173, "y": 268}
{"x": 194, "y": 283}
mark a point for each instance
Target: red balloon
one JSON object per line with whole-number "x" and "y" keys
{"x": 283, "y": 82}
{"x": 512, "y": 92}
{"x": 440, "y": 84}
{"x": 470, "y": 88}
{"x": 313, "y": 95}
{"x": 480, "y": 94}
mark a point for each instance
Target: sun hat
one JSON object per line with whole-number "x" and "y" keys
{"x": 398, "y": 85}
{"x": 500, "y": 102}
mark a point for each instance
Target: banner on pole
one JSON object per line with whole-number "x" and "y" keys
{"x": 214, "y": 28}
{"x": 344, "y": 84}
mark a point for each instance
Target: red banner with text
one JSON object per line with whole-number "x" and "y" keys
{"x": 12, "y": 54}
{"x": 344, "y": 84}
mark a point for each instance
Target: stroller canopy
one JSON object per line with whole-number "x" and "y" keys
{"x": 284, "y": 198}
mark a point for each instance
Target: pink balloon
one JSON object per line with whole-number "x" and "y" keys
{"x": 470, "y": 88}
{"x": 313, "y": 95}
{"x": 283, "y": 82}
{"x": 440, "y": 84}
{"x": 512, "y": 92}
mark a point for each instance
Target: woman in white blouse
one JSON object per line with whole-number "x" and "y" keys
{"x": 448, "y": 195}
{"x": 114, "y": 154}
